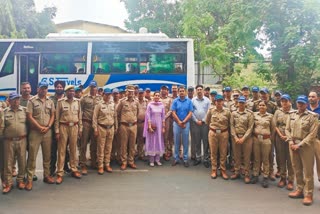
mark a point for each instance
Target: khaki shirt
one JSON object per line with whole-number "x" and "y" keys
{"x": 14, "y": 123}
{"x": 280, "y": 119}
{"x": 228, "y": 103}
{"x": 302, "y": 128}
{"x": 271, "y": 106}
{"x": 217, "y": 119}
{"x": 88, "y": 103}
{"x": 250, "y": 104}
{"x": 128, "y": 111}
{"x": 167, "y": 102}
{"x": 105, "y": 114}
{"x": 68, "y": 112}
{"x": 263, "y": 124}
{"x": 233, "y": 107}
{"x": 241, "y": 123}
{"x": 41, "y": 111}
{"x": 142, "y": 109}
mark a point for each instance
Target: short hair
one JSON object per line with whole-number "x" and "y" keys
{"x": 181, "y": 87}
{"x": 199, "y": 86}
{"x": 156, "y": 92}
{"x": 25, "y": 83}
{"x": 207, "y": 89}
{"x": 317, "y": 93}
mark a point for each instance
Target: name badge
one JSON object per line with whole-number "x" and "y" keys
{"x": 260, "y": 137}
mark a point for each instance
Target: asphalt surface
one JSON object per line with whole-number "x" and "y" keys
{"x": 161, "y": 189}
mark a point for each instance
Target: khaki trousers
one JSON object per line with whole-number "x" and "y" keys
{"x": 140, "y": 140}
{"x": 2, "y": 159}
{"x": 168, "y": 136}
{"x": 317, "y": 155}
{"x": 261, "y": 153}
{"x": 88, "y": 137}
{"x": 303, "y": 163}
{"x": 12, "y": 149}
{"x": 68, "y": 134}
{"x": 104, "y": 145}
{"x": 128, "y": 135}
{"x": 218, "y": 143}
{"x": 35, "y": 140}
{"x": 285, "y": 164}
{"x": 115, "y": 153}
{"x": 242, "y": 155}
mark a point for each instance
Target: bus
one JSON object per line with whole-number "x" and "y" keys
{"x": 113, "y": 60}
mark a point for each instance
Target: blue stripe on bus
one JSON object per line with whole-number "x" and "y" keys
{"x": 8, "y": 89}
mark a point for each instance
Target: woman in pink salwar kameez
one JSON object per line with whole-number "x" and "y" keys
{"x": 154, "y": 130}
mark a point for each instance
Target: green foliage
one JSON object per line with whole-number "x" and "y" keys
{"x": 19, "y": 19}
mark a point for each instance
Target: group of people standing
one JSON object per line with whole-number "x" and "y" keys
{"x": 126, "y": 125}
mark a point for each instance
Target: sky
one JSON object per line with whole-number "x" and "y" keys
{"x": 111, "y": 12}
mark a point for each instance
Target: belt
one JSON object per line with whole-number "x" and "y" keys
{"x": 69, "y": 124}
{"x": 87, "y": 120}
{"x": 16, "y": 138}
{"x": 140, "y": 121}
{"x": 128, "y": 124}
{"x": 261, "y": 136}
{"x": 105, "y": 126}
{"x": 218, "y": 131}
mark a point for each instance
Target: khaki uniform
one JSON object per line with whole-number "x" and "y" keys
{"x": 1, "y": 147}
{"x": 168, "y": 135}
{"x": 250, "y": 104}
{"x": 228, "y": 103}
{"x": 317, "y": 152}
{"x": 41, "y": 112}
{"x": 140, "y": 124}
{"x": 68, "y": 124}
{"x": 301, "y": 129}
{"x": 128, "y": 112}
{"x": 105, "y": 122}
{"x": 15, "y": 142}
{"x": 262, "y": 135}
{"x": 115, "y": 153}
{"x": 241, "y": 124}
{"x": 218, "y": 122}
{"x": 282, "y": 147}
{"x": 88, "y": 103}
{"x": 233, "y": 107}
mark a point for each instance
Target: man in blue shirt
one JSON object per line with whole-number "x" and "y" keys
{"x": 315, "y": 107}
{"x": 181, "y": 111}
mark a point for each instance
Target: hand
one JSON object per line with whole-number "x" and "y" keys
{"x": 96, "y": 134}
{"x": 283, "y": 137}
{"x": 294, "y": 147}
{"x": 57, "y": 137}
{"x": 241, "y": 140}
{"x": 150, "y": 130}
{"x": 199, "y": 122}
{"x": 163, "y": 130}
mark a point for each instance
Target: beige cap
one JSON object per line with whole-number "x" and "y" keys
{"x": 130, "y": 88}
{"x": 68, "y": 87}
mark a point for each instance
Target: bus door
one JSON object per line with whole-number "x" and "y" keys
{"x": 28, "y": 70}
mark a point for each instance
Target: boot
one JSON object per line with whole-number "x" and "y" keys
{"x": 224, "y": 175}
{"x": 307, "y": 200}
{"x": 296, "y": 194}
{"x": 265, "y": 183}
{"x": 254, "y": 179}
{"x": 282, "y": 182}
{"x": 290, "y": 185}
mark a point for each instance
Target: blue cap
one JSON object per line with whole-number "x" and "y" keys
{"x": 147, "y": 89}
{"x": 277, "y": 92}
{"x": 43, "y": 84}
{"x": 218, "y": 97}
{"x": 77, "y": 88}
{"x": 3, "y": 98}
{"x": 107, "y": 91}
{"x": 242, "y": 99}
{"x": 213, "y": 92}
{"x": 164, "y": 86}
{"x": 245, "y": 87}
{"x": 115, "y": 90}
{"x": 121, "y": 90}
{"x": 140, "y": 90}
{"x": 14, "y": 95}
{"x": 286, "y": 97}
{"x": 93, "y": 84}
{"x": 255, "y": 89}
{"x": 302, "y": 99}
{"x": 264, "y": 90}
{"x": 227, "y": 88}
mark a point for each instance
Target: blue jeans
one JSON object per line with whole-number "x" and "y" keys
{"x": 179, "y": 133}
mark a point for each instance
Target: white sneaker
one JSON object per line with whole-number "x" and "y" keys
{"x": 159, "y": 163}
{"x": 151, "y": 164}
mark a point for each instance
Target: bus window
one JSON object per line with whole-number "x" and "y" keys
{"x": 115, "y": 63}
{"x": 8, "y": 66}
{"x": 63, "y": 63}
{"x": 162, "y": 63}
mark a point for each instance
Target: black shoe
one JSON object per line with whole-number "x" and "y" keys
{"x": 186, "y": 164}
{"x": 206, "y": 164}
{"x": 34, "y": 178}
{"x": 265, "y": 183}
{"x": 174, "y": 163}
{"x": 196, "y": 162}
{"x": 254, "y": 179}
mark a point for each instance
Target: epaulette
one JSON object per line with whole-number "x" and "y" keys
{"x": 293, "y": 111}
{"x": 313, "y": 113}
{"x": 248, "y": 110}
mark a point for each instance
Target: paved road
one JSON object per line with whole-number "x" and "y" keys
{"x": 162, "y": 189}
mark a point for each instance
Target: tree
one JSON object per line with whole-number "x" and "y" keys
{"x": 156, "y": 15}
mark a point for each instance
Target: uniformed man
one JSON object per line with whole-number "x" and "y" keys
{"x": 174, "y": 91}
{"x": 241, "y": 124}
{"x": 227, "y": 99}
{"x": 213, "y": 94}
{"x": 285, "y": 165}
{"x": 234, "y": 104}
{"x": 40, "y": 114}
{"x": 206, "y": 91}
{"x": 271, "y": 108}
{"x": 14, "y": 131}
{"x": 301, "y": 130}
{"x": 143, "y": 103}
{"x": 277, "y": 98}
{"x": 68, "y": 127}
{"x": 88, "y": 102}
{"x": 255, "y": 97}
{"x": 2, "y": 107}
{"x": 147, "y": 94}
{"x": 218, "y": 119}
{"x": 128, "y": 111}
{"x": 168, "y": 134}
{"x": 245, "y": 91}
{"x": 116, "y": 139}
{"x": 104, "y": 124}
{"x": 122, "y": 93}
{"x": 78, "y": 92}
